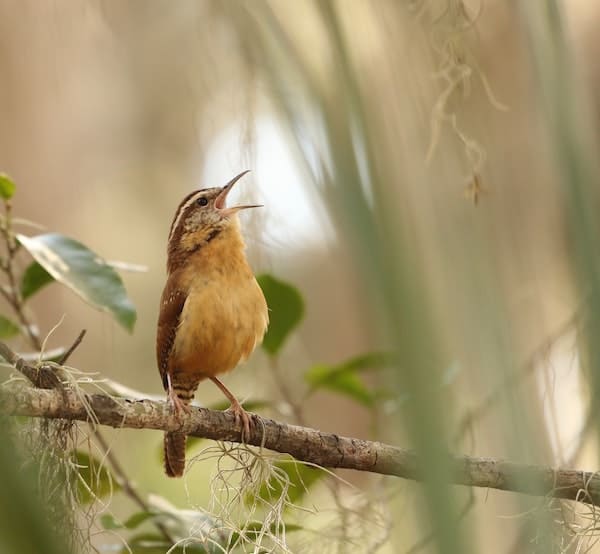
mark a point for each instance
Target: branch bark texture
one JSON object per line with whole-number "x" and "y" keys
{"x": 303, "y": 443}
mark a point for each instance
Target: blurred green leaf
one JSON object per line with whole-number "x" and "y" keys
{"x": 8, "y": 329}
{"x": 138, "y": 518}
{"x": 29, "y": 525}
{"x": 344, "y": 378}
{"x": 77, "y": 267}
{"x": 97, "y": 481}
{"x": 366, "y": 362}
{"x": 301, "y": 478}
{"x": 7, "y": 187}
{"x": 286, "y": 308}
{"x": 146, "y": 543}
{"x": 346, "y": 382}
{"x": 108, "y": 521}
{"x": 34, "y": 278}
{"x": 153, "y": 543}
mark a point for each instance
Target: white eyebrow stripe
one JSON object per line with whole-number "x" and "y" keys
{"x": 185, "y": 204}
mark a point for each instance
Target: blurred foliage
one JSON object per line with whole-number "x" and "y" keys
{"x": 286, "y": 308}
{"x": 354, "y": 175}
{"x": 7, "y": 187}
{"x": 24, "y": 524}
{"x": 133, "y": 522}
{"x": 8, "y": 329}
{"x": 94, "y": 480}
{"x": 344, "y": 378}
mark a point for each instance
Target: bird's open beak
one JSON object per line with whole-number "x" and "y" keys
{"x": 221, "y": 199}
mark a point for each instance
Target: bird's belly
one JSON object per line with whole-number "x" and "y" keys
{"x": 219, "y": 328}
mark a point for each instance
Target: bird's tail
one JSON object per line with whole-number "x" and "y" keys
{"x": 180, "y": 397}
{"x": 174, "y": 443}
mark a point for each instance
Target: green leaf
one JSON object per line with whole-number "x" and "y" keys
{"x": 286, "y": 309}
{"x": 345, "y": 382}
{"x": 8, "y": 329}
{"x": 108, "y": 521}
{"x": 301, "y": 478}
{"x": 83, "y": 271}
{"x": 366, "y": 362}
{"x": 146, "y": 543}
{"x": 34, "y": 278}
{"x": 97, "y": 481}
{"x": 7, "y": 187}
{"x": 138, "y": 518}
{"x": 344, "y": 378}
{"x": 153, "y": 543}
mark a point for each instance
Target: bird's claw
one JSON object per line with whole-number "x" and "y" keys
{"x": 178, "y": 406}
{"x": 243, "y": 418}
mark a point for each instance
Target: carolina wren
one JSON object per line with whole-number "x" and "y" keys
{"x": 212, "y": 311}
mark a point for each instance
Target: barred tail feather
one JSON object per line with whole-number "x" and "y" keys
{"x": 180, "y": 396}
{"x": 174, "y": 444}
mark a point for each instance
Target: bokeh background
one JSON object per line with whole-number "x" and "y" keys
{"x": 428, "y": 171}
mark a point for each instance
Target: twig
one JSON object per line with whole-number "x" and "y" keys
{"x": 42, "y": 375}
{"x": 303, "y": 443}
{"x": 13, "y": 294}
{"x": 76, "y": 343}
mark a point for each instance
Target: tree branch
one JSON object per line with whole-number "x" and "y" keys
{"x": 303, "y": 443}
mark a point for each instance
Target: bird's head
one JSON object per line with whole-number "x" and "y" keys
{"x": 202, "y": 215}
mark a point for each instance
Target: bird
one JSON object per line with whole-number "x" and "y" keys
{"x": 212, "y": 312}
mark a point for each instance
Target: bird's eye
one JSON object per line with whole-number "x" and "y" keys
{"x": 202, "y": 201}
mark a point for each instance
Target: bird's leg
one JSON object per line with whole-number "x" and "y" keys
{"x": 178, "y": 406}
{"x": 240, "y": 414}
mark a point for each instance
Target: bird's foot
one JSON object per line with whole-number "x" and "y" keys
{"x": 242, "y": 417}
{"x": 178, "y": 407}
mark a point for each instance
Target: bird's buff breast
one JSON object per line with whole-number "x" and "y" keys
{"x": 221, "y": 327}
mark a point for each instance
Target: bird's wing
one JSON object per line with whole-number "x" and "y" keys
{"x": 171, "y": 305}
